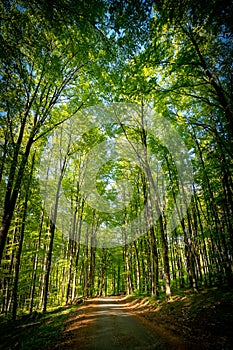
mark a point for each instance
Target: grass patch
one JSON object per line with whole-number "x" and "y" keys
{"x": 38, "y": 331}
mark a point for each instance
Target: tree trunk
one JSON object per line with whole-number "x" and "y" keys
{"x": 12, "y": 190}
{"x": 35, "y": 264}
{"x": 155, "y": 264}
{"x": 52, "y": 227}
{"x": 21, "y": 238}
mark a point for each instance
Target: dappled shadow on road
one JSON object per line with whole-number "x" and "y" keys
{"x": 109, "y": 323}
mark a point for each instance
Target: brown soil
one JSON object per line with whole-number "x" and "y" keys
{"x": 201, "y": 320}
{"x": 113, "y": 323}
{"x": 188, "y": 321}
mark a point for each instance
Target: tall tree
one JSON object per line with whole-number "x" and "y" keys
{"x": 42, "y": 58}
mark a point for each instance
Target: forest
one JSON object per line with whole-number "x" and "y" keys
{"x": 116, "y": 128}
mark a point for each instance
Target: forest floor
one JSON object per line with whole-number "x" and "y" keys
{"x": 203, "y": 319}
{"x": 188, "y": 321}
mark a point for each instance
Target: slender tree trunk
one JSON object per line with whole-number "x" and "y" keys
{"x": 7, "y": 281}
{"x": 3, "y": 158}
{"x": 70, "y": 254}
{"x": 52, "y": 232}
{"x": 128, "y": 271}
{"x": 21, "y": 238}
{"x": 35, "y": 264}
{"x": 103, "y": 271}
{"x": 155, "y": 264}
{"x": 138, "y": 269}
{"x": 219, "y": 234}
{"x": 118, "y": 278}
{"x": 161, "y": 223}
{"x": 12, "y": 190}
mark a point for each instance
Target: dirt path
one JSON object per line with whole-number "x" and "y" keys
{"x": 107, "y": 324}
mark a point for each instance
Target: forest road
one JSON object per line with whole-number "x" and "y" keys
{"x": 108, "y": 324}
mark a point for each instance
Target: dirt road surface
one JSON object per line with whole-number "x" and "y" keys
{"x": 108, "y": 324}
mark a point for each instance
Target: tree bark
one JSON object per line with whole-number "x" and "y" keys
{"x": 21, "y": 238}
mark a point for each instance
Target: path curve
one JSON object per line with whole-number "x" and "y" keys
{"x": 107, "y": 324}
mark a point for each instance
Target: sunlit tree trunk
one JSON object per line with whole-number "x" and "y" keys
{"x": 52, "y": 227}
{"x": 103, "y": 272}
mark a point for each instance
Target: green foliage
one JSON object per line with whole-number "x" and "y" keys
{"x": 60, "y": 58}
{"x": 44, "y": 331}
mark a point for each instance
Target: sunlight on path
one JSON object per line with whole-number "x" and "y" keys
{"x": 107, "y": 324}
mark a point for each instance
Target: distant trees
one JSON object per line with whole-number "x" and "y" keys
{"x": 56, "y": 61}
